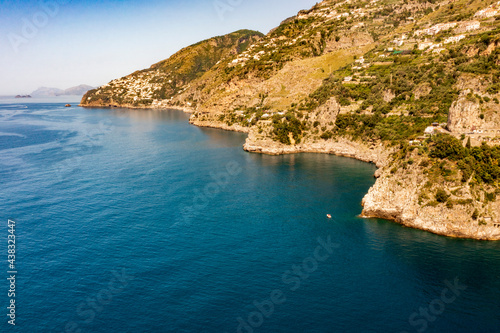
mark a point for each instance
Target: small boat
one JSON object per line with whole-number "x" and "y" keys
{"x": 68, "y": 105}
{"x": 329, "y": 216}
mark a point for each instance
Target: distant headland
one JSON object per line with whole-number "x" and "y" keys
{"x": 52, "y": 92}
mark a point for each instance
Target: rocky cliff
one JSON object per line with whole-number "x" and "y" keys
{"x": 476, "y": 111}
{"x": 407, "y": 196}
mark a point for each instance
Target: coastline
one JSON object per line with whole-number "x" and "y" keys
{"x": 386, "y": 199}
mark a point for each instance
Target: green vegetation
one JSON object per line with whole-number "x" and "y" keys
{"x": 481, "y": 63}
{"x": 392, "y": 129}
{"x": 286, "y": 126}
{"x": 401, "y": 79}
{"x": 480, "y": 162}
{"x": 441, "y": 195}
{"x": 475, "y": 214}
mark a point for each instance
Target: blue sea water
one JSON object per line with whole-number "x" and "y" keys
{"x": 136, "y": 221}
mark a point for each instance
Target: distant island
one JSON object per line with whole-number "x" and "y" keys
{"x": 52, "y": 92}
{"x": 23, "y": 96}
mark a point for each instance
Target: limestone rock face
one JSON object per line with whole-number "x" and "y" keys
{"x": 356, "y": 39}
{"x": 211, "y": 122}
{"x": 327, "y": 112}
{"x": 388, "y": 95}
{"x": 396, "y": 197}
{"x": 464, "y": 115}
{"x": 342, "y": 147}
{"x": 475, "y": 108}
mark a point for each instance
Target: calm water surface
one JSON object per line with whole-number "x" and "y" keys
{"x": 135, "y": 221}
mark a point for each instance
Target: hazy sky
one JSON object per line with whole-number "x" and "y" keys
{"x": 63, "y": 43}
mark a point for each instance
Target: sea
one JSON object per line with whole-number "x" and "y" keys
{"x": 136, "y": 221}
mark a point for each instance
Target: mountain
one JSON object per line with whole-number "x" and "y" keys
{"x": 45, "y": 92}
{"x": 48, "y": 92}
{"x": 78, "y": 90}
{"x": 168, "y": 78}
{"x": 410, "y": 85}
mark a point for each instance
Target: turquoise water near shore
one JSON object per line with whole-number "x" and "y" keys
{"x": 136, "y": 221}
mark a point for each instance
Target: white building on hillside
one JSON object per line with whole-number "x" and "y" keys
{"x": 454, "y": 39}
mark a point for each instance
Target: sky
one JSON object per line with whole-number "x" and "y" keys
{"x": 64, "y": 43}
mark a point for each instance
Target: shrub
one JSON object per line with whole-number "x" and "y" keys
{"x": 284, "y": 126}
{"x": 490, "y": 196}
{"x": 441, "y": 196}
{"x": 424, "y": 163}
{"x": 432, "y": 204}
{"x": 422, "y": 197}
{"x": 326, "y": 135}
{"x": 463, "y": 201}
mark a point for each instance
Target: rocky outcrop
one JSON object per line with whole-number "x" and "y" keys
{"x": 396, "y": 197}
{"x": 464, "y": 115}
{"x": 212, "y": 123}
{"x": 475, "y": 108}
{"x": 341, "y": 147}
{"x": 356, "y": 39}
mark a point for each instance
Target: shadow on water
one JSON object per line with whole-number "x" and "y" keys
{"x": 433, "y": 256}
{"x": 224, "y": 138}
{"x": 148, "y": 114}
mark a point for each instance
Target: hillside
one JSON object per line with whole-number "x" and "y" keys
{"x": 164, "y": 80}
{"x": 413, "y": 86}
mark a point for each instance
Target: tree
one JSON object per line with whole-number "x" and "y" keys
{"x": 447, "y": 146}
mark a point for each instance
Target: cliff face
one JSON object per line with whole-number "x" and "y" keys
{"x": 476, "y": 111}
{"x": 398, "y": 197}
{"x": 340, "y": 147}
